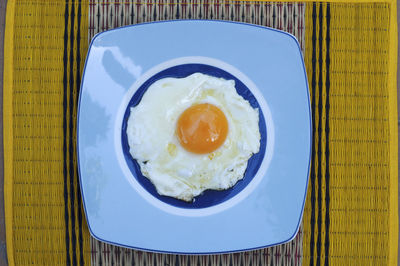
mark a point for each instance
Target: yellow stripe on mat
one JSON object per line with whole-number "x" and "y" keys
{"x": 41, "y": 193}
{"x": 351, "y": 210}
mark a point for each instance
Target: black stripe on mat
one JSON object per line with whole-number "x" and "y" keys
{"x": 71, "y": 131}
{"x": 312, "y": 176}
{"x": 78, "y": 84}
{"x": 327, "y": 106}
{"x": 65, "y": 85}
{"x": 319, "y": 175}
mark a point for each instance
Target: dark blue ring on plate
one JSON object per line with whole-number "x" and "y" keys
{"x": 209, "y": 197}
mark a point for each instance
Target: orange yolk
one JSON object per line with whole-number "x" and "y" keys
{"x": 202, "y": 128}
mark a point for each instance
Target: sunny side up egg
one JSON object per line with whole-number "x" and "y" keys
{"x": 192, "y": 134}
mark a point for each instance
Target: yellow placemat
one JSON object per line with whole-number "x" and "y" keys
{"x": 44, "y": 57}
{"x": 351, "y": 210}
{"x": 350, "y": 53}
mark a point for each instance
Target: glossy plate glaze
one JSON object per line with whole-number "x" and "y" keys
{"x": 265, "y": 208}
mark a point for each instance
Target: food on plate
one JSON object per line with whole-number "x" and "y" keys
{"x": 192, "y": 134}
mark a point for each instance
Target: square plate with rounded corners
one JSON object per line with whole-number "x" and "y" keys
{"x": 263, "y": 209}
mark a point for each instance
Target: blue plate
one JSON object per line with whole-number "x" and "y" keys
{"x": 122, "y": 206}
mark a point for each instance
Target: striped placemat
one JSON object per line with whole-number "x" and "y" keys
{"x": 350, "y": 52}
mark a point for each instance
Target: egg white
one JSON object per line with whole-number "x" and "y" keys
{"x": 173, "y": 170}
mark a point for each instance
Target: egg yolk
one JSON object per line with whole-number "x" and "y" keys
{"x": 202, "y": 128}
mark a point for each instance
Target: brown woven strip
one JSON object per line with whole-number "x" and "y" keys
{"x": 289, "y": 17}
{"x": 105, "y": 15}
{"x": 287, "y": 254}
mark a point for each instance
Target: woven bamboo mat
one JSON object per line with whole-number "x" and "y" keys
{"x": 350, "y": 51}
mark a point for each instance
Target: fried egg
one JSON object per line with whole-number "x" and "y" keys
{"x": 192, "y": 134}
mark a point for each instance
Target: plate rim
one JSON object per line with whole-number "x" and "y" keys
{"x": 309, "y": 151}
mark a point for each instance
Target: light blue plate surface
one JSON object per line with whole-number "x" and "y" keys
{"x": 121, "y": 211}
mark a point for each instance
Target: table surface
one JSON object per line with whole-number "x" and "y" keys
{"x": 3, "y": 255}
